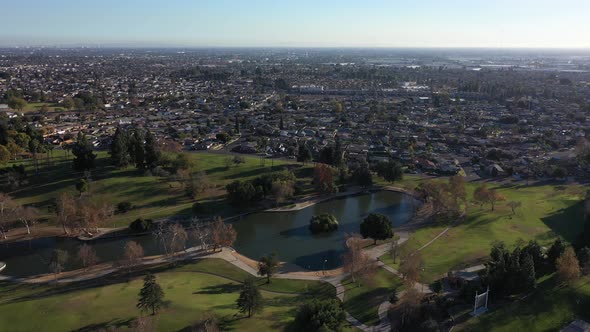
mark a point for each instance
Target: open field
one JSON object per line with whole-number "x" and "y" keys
{"x": 192, "y": 292}
{"x": 550, "y": 308}
{"x": 362, "y": 302}
{"x": 152, "y": 197}
{"x": 548, "y": 211}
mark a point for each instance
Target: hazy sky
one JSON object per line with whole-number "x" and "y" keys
{"x": 315, "y": 23}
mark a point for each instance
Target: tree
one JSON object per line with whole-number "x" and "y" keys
{"x": 362, "y": 175}
{"x": 568, "y": 266}
{"x": 377, "y": 227}
{"x": 87, "y": 256}
{"x": 151, "y": 295}
{"x": 391, "y": 170}
{"x": 27, "y": 216}
{"x": 83, "y": 152}
{"x": 152, "y": 151}
{"x": 282, "y": 190}
{"x": 555, "y": 251}
{"x": 57, "y": 261}
{"x": 222, "y": 234}
{"x": 356, "y": 262}
{"x": 457, "y": 189}
{"x": 132, "y": 255}
{"x": 514, "y": 205}
{"x": 250, "y": 300}
{"x": 409, "y": 303}
{"x": 323, "y": 179}
{"x": 480, "y": 195}
{"x": 4, "y": 155}
{"x": 136, "y": 148}
{"x": 176, "y": 238}
{"x": 493, "y": 197}
{"x": 119, "y": 149}
{"x": 584, "y": 258}
{"x": 65, "y": 210}
{"x": 82, "y": 186}
{"x": 527, "y": 268}
{"x": 303, "y": 153}
{"x": 267, "y": 266}
{"x": 7, "y": 208}
{"x": 394, "y": 296}
{"x": 17, "y": 103}
{"x": 68, "y": 103}
{"x": 323, "y": 223}
{"x": 319, "y": 315}
{"x": 411, "y": 267}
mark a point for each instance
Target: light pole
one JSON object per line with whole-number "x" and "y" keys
{"x": 324, "y": 267}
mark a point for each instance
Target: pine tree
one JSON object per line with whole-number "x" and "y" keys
{"x": 84, "y": 156}
{"x": 119, "y": 148}
{"x": 304, "y": 154}
{"x": 152, "y": 151}
{"x": 151, "y": 296}
{"x": 527, "y": 268}
{"x": 250, "y": 300}
{"x": 237, "y": 125}
{"x": 136, "y": 148}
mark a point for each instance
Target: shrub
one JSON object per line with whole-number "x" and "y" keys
{"x": 141, "y": 225}
{"x": 124, "y": 207}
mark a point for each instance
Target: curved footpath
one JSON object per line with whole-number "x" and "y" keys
{"x": 287, "y": 271}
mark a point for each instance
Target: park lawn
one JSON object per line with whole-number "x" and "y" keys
{"x": 152, "y": 197}
{"x": 547, "y": 211}
{"x": 36, "y": 107}
{"x": 363, "y": 302}
{"x": 189, "y": 296}
{"x": 550, "y": 308}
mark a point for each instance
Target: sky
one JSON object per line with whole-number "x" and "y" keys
{"x": 302, "y": 23}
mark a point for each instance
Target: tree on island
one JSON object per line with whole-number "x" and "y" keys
{"x": 250, "y": 300}
{"x": 323, "y": 223}
{"x": 267, "y": 266}
{"x": 377, "y": 227}
{"x": 320, "y": 315}
{"x": 83, "y": 152}
{"x": 151, "y": 295}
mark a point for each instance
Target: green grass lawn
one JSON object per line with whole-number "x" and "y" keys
{"x": 550, "y": 308}
{"x": 363, "y": 302}
{"x": 547, "y": 211}
{"x": 152, "y": 197}
{"x": 191, "y": 293}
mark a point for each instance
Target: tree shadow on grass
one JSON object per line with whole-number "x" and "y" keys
{"x": 568, "y": 222}
{"x": 219, "y": 289}
{"x": 113, "y": 323}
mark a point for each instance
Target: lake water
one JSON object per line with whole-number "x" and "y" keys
{"x": 285, "y": 233}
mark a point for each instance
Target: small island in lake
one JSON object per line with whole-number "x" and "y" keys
{"x": 323, "y": 223}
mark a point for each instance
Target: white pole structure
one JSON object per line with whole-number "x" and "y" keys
{"x": 475, "y": 304}
{"x": 487, "y": 296}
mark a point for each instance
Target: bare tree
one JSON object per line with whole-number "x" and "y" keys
{"x": 409, "y": 302}
{"x": 411, "y": 267}
{"x": 356, "y": 262}
{"x": 514, "y": 205}
{"x": 66, "y": 210}
{"x": 282, "y": 190}
{"x": 568, "y": 266}
{"x": 222, "y": 234}
{"x": 87, "y": 256}
{"x": 27, "y": 215}
{"x": 7, "y": 208}
{"x": 132, "y": 255}
{"x": 201, "y": 232}
{"x": 176, "y": 237}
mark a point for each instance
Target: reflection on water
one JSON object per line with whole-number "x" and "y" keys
{"x": 285, "y": 233}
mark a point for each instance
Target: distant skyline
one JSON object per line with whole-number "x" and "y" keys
{"x": 303, "y": 23}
